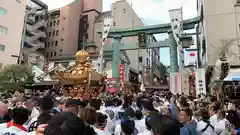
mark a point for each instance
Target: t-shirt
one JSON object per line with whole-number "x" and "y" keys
{"x": 13, "y": 130}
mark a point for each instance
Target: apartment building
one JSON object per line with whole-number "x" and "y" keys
{"x": 35, "y": 33}
{"x": 220, "y": 20}
{"x": 71, "y": 26}
{"x": 11, "y": 27}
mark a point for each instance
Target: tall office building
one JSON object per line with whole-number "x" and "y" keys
{"x": 71, "y": 26}
{"x": 11, "y": 28}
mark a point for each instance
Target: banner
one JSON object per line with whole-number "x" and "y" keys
{"x": 111, "y": 85}
{"x": 175, "y": 83}
{"x": 185, "y": 83}
{"x": 200, "y": 82}
{"x": 176, "y": 20}
{"x": 107, "y": 24}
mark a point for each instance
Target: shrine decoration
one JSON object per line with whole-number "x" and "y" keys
{"x": 80, "y": 76}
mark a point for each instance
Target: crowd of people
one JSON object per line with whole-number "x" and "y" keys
{"x": 156, "y": 113}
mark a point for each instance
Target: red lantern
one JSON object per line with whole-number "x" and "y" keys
{"x": 192, "y": 54}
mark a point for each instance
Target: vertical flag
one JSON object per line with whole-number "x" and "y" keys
{"x": 176, "y": 19}
{"x": 175, "y": 83}
{"x": 200, "y": 82}
{"x": 107, "y": 24}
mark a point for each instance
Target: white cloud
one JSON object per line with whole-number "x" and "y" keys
{"x": 146, "y": 9}
{"x": 159, "y": 9}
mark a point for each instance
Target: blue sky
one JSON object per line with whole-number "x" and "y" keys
{"x": 155, "y": 12}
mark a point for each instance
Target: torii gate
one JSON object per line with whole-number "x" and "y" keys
{"x": 117, "y": 46}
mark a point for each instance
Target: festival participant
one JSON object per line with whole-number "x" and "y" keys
{"x": 148, "y": 129}
{"x": 60, "y": 104}
{"x": 185, "y": 117}
{"x": 3, "y": 111}
{"x": 213, "y": 112}
{"x": 66, "y": 123}
{"x": 204, "y": 126}
{"x": 232, "y": 115}
{"x": 223, "y": 126}
{"x": 20, "y": 116}
{"x": 46, "y": 106}
{"x": 163, "y": 125}
{"x": 140, "y": 126}
{"x": 100, "y": 124}
{"x": 31, "y": 105}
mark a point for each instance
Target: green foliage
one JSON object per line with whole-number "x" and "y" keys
{"x": 15, "y": 77}
{"x": 163, "y": 69}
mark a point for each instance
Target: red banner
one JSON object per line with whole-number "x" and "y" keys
{"x": 121, "y": 72}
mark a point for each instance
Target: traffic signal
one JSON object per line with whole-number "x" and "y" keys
{"x": 224, "y": 70}
{"x": 142, "y": 39}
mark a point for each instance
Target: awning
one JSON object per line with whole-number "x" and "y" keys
{"x": 233, "y": 75}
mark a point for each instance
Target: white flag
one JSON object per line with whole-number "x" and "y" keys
{"x": 176, "y": 19}
{"x": 176, "y": 22}
{"x": 107, "y": 24}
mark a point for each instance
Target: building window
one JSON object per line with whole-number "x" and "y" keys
{"x": 56, "y": 43}
{"x": 114, "y": 23}
{"x": 57, "y": 33}
{"x": 3, "y": 11}
{"x": 148, "y": 62}
{"x": 53, "y": 33}
{"x": 55, "y": 53}
{"x": 2, "y": 48}
{"x": 124, "y": 10}
{"x": 51, "y": 54}
{"x": 47, "y": 54}
{"x": 58, "y": 22}
{"x": 50, "y": 24}
{"x": 238, "y": 1}
{"x": 49, "y": 34}
{"x": 62, "y": 39}
{"x": 52, "y": 43}
{"x": 48, "y": 44}
{"x": 3, "y": 31}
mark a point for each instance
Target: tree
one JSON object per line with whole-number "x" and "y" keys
{"x": 15, "y": 77}
{"x": 163, "y": 69}
{"x": 223, "y": 50}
